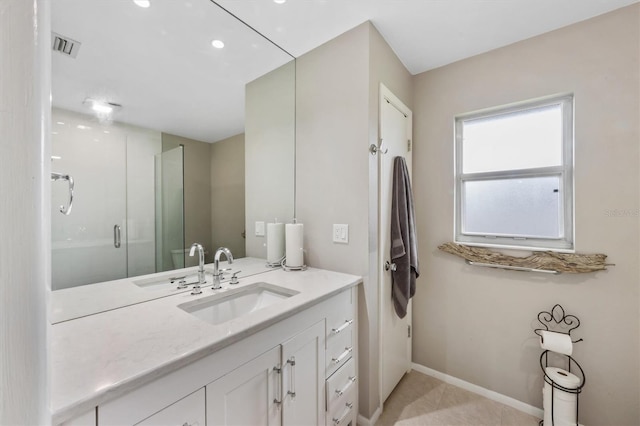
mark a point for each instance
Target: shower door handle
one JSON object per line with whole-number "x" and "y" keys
{"x": 59, "y": 176}
{"x": 116, "y": 236}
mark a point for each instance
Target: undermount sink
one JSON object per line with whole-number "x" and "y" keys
{"x": 236, "y": 303}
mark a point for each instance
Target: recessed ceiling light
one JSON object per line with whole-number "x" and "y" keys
{"x": 142, "y": 3}
{"x": 101, "y": 107}
{"x": 218, "y": 44}
{"x": 280, "y": 1}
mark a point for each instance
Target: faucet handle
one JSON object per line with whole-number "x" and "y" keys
{"x": 234, "y": 278}
{"x": 222, "y": 271}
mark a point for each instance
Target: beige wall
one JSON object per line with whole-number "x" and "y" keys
{"x": 197, "y": 190}
{"x": 477, "y": 324}
{"x": 227, "y": 194}
{"x": 269, "y": 152}
{"x": 337, "y": 88}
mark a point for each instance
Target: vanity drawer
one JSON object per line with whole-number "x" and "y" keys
{"x": 345, "y": 411}
{"x": 340, "y": 332}
{"x": 340, "y": 384}
{"x": 340, "y": 315}
{"x": 340, "y": 349}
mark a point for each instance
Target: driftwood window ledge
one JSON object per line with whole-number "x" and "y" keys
{"x": 540, "y": 261}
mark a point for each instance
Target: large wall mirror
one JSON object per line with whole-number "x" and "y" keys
{"x": 176, "y": 123}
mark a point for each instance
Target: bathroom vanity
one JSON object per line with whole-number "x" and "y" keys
{"x": 277, "y": 348}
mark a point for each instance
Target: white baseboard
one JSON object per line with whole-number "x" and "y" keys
{"x": 363, "y": 421}
{"x": 495, "y": 396}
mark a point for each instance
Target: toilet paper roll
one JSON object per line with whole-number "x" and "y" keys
{"x": 556, "y": 342}
{"x": 294, "y": 233}
{"x": 563, "y": 377}
{"x": 564, "y": 411}
{"x": 565, "y": 404}
{"x": 275, "y": 242}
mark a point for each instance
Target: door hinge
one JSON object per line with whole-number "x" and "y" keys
{"x": 408, "y": 144}
{"x": 408, "y": 331}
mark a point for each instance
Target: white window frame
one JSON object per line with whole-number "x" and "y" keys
{"x": 566, "y": 242}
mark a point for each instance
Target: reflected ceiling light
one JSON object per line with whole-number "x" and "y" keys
{"x": 83, "y": 127}
{"x": 101, "y": 107}
{"x": 279, "y": 1}
{"x": 218, "y": 44}
{"x": 142, "y": 3}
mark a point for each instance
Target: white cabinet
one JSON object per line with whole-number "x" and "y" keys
{"x": 86, "y": 419}
{"x": 274, "y": 377}
{"x": 248, "y": 395}
{"x": 283, "y": 386}
{"x": 303, "y": 378}
{"x": 189, "y": 411}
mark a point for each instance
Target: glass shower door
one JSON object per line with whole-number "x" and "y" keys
{"x": 89, "y": 245}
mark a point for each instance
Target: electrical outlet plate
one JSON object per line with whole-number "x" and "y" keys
{"x": 341, "y": 233}
{"x": 259, "y": 229}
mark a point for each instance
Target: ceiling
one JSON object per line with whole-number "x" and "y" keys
{"x": 424, "y": 34}
{"x": 158, "y": 62}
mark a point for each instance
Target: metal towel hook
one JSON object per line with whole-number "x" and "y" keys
{"x": 373, "y": 149}
{"x": 59, "y": 176}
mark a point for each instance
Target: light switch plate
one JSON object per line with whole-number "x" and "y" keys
{"x": 341, "y": 233}
{"x": 259, "y": 229}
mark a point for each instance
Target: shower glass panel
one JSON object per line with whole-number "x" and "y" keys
{"x": 170, "y": 250}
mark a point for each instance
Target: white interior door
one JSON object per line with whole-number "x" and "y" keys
{"x": 395, "y": 335}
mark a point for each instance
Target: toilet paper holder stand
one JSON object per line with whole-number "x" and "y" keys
{"x": 560, "y": 322}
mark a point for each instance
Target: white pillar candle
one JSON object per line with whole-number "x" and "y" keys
{"x": 294, "y": 239}
{"x": 275, "y": 242}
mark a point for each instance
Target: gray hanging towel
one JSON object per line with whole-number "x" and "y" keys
{"x": 404, "y": 246}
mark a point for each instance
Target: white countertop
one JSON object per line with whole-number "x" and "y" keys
{"x": 76, "y": 302}
{"x": 97, "y": 358}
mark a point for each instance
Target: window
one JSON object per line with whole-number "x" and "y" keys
{"x": 514, "y": 176}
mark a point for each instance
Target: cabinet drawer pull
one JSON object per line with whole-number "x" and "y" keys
{"x": 346, "y": 324}
{"x": 346, "y": 387}
{"x": 337, "y": 421}
{"x": 278, "y": 370}
{"x": 292, "y": 377}
{"x": 342, "y": 356}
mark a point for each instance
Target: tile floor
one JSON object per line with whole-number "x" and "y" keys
{"x": 421, "y": 400}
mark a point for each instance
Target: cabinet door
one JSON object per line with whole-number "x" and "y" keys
{"x": 188, "y": 411}
{"x": 303, "y": 377}
{"x": 249, "y": 395}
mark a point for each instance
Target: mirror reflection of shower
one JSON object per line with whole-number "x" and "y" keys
{"x": 119, "y": 224}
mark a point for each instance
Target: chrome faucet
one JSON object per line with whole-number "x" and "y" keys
{"x": 217, "y": 273}
{"x": 201, "y": 275}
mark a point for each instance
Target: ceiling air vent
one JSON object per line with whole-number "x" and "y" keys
{"x": 65, "y": 45}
